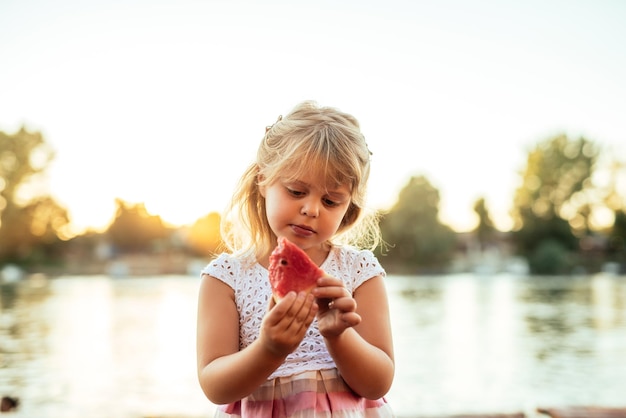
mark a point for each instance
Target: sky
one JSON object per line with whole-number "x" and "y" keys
{"x": 165, "y": 102}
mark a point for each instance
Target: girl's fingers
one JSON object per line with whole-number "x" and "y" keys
{"x": 351, "y": 319}
{"x": 294, "y": 309}
{"x": 329, "y": 281}
{"x": 330, "y": 288}
{"x": 345, "y": 304}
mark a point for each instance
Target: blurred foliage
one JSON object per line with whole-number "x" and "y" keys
{"x": 135, "y": 230}
{"x": 553, "y": 213}
{"x": 31, "y": 222}
{"x": 485, "y": 231}
{"x": 550, "y": 258}
{"x": 552, "y": 206}
{"x": 616, "y": 248}
{"x": 34, "y": 227}
{"x": 617, "y": 238}
{"x": 418, "y": 241}
{"x": 204, "y": 238}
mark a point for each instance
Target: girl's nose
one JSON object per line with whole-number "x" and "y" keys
{"x": 310, "y": 208}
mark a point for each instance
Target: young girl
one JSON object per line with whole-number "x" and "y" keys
{"x": 327, "y": 353}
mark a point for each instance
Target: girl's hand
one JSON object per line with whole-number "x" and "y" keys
{"x": 286, "y": 322}
{"x": 337, "y": 307}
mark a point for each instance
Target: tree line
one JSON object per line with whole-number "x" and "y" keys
{"x": 553, "y": 213}
{"x": 553, "y": 217}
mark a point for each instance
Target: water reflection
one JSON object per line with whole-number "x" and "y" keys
{"x": 103, "y": 347}
{"x": 608, "y": 299}
{"x": 100, "y": 347}
{"x": 504, "y": 343}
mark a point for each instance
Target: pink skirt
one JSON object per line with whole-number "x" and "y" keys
{"x": 313, "y": 394}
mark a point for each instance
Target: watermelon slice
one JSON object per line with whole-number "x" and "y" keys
{"x": 291, "y": 269}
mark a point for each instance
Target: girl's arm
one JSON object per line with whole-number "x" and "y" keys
{"x": 227, "y": 374}
{"x": 362, "y": 348}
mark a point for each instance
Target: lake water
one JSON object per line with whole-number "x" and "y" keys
{"x": 103, "y": 347}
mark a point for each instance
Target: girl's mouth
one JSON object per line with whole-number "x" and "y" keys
{"x": 302, "y": 230}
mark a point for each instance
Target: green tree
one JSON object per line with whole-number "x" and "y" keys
{"x": 31, "y": 222}
{"x": 551, "y": 207}
{"x": 134, "y": 229}
{"x": 417, "y": 240}
{"x": 617, "y": 239}
{"x": 616, "y": 247}
{"x": 485, "y": 230}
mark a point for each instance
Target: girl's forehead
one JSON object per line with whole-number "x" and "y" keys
{"x": 317, "y": 180}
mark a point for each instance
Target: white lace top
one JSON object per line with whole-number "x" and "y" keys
{"x": 250, "y": 282}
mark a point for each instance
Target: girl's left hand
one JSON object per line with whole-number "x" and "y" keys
{"x": 337, "y": 307}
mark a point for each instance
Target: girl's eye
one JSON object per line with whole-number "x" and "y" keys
{"x": 294, "y": 192}
{"x": 330, "y": 203}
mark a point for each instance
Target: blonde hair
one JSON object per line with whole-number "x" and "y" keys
{"x": 309, "y": 136}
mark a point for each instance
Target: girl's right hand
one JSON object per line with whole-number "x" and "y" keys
{"x": 286, "y": 322}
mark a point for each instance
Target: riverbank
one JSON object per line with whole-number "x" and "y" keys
{"x": 127, "y": 265}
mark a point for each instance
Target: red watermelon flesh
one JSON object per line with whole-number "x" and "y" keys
{"x": 291, "y": 269}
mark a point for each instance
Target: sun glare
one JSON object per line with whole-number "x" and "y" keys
{"x": 152, "y": 110}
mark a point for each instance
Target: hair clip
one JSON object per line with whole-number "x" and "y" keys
{"x": 267, "y": 128}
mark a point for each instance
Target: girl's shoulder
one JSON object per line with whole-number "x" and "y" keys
{"x": 352, "y": 264}
{"x": 351, "y": 255}
{"x": 228, "y": 266}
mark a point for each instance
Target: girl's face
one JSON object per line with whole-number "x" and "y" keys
{"x": 306, "y": 212}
